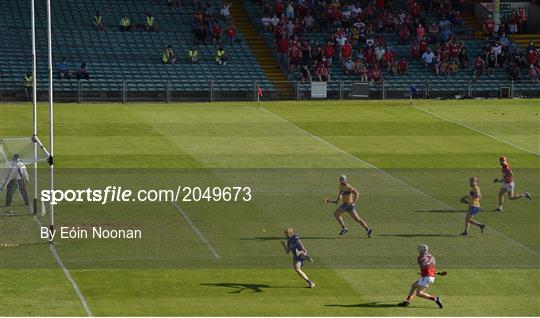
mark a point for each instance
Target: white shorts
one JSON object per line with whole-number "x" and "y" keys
{"x": 425, "y": 281}
{"x": 509, "y": 186}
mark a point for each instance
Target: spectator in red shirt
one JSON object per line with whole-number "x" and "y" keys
{"x": 328, "y": 52}
{"x": 403, "y": 67}
{"x": 376, "y": 74}
{"x": 294, "y": 58}
{"x": 282, "y": 45}
{"x": 489, "y": 26}
{"x": 404, "y": 34}
{"x": 420, "y": 31}
{"x": 479, "y": 67}
{"x": 322, "y": 73}
{"x": 216, "y": 33}
{"x": 388, "y": 58}
{"x": 231, "y": 34}
{"x": 346, "y": 51}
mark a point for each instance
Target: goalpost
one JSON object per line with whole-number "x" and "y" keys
{"x": 19, "y": 154}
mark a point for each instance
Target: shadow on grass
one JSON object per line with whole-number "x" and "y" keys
{"x": 279, "y": 238}
{"x": 240, "y": 287}
{"x": 371, "y": 305}
{"x": 440, "y": 211}
{"x": 412, "y": 235}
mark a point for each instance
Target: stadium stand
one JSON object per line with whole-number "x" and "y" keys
{"x": 113, "y": 56}
{"x": 292, "y": 28}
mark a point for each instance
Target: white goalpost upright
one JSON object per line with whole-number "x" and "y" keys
{"x": 51, "y": 108}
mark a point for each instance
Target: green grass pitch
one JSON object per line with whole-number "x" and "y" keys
{"x": 410, "y": 163}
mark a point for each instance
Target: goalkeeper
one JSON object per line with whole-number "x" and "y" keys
{"x": 16, "y": 177}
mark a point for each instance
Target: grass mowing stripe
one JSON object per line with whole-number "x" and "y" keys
{"x": 196, "y": 230}
{"x": 477, "y": 130}
{"x": 413, "y": 188}
{"x": 52, "y": 248}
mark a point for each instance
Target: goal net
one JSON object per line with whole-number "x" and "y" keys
{"x": 18, "y": 156}
{"x": 18, "y": 182}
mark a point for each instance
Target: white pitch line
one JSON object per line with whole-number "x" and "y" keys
{"x": 413, "y": 188}
{"x": 478, "y": 131}
{"x": 196, "y": 230}
{"x": 54, "y": 252}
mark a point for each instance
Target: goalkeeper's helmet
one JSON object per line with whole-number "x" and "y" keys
{"x": 423, "y": 248}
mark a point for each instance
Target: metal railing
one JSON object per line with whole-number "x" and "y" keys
{"x": 210, "y": 91}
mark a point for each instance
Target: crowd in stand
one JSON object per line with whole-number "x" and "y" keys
{"x": 499, "y": 52}
{"x": 356, "y": 38}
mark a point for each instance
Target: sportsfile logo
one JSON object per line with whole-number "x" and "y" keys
{"x": 120, "y": 194}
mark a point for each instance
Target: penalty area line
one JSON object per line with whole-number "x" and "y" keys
{"x": 477, "y": 130}
{"x": 70, "y": 278}
{"x": 413, "y": 188}
{"x": 196, "y": 230}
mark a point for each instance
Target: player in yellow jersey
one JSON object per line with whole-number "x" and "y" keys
{"x": 348, "y": 196}
{"x": 474, "y": 206}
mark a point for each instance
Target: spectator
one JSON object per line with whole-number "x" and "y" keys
{"x": 63, "y": 69}
{"x": 231, "y": 34}
{"x": 512, "y": 72}
{"x": 388, "y": 58}
{"x": 150, "y": 25}
{"x": 221, "y": 56}
{"x": 534, "y": 73}
{"x": 453, "y": 68}
{"x": 322, "y": 73}
{"x": 125, "y": 24}
{"x": 282, "y": 51}
{"x": 376, "y": 74}
{"x": 193, "y": 55}
{"x": 479, "y": 67}
{"x": 289, "y": 11}
{"x": 379, "y": 54}
{"x": 294, "y": 58}
{"x": 216, "y": 33}
{"x": 463, "y": 58}
{"x": 305, "y": 75}
{"x": 346, "y": 51}
{"x": 348, "y": 66}
{"x": 328, "y": 52}
{"x": 489, "y": 26}
{"x": 225, "y": 11}
{"x": 403, "y": 68}
{"x": 168, "y": 56}
{"x": 428, "y": 58}
{"x": 267, "y": 23}
{"x": 491, "y": 61}
{"x": 82, "y": 72}
{"x": 531, "y": 47}
{"x": 306, "y": 53}
{"x": 98, "y": 22}
{"x": 28, "y": 84}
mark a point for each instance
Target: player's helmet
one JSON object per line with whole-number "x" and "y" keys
{"x": 289, "y": 231}
{"x": 423, "y": 248}
{"x": 343, "y": 178}
{"x": 473, "y": 180}
{"x": 502, "y": 159}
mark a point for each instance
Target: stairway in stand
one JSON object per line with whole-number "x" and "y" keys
{"x": 262, "y": 53}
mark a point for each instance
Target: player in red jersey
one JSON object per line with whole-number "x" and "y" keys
{"x": 508, "y": 184}
{"x": 428, "y": 271}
